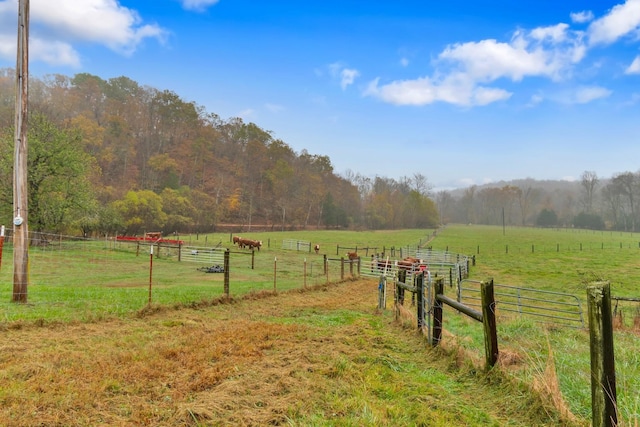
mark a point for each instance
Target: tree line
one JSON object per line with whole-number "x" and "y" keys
{"x": 590, "y": 202}
{"x": 113, "y": 156}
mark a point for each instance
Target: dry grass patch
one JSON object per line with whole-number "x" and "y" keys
{"x": 324, "y": 356}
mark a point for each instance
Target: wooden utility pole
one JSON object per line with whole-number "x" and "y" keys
{"x": 20, "y": 209}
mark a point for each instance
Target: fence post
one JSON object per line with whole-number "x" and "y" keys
{"x": 489, "y": 323}
{"x": 275, "y": 273}
{"x": 382, "y": 293}
{"x": 226, "y": 273}
{"x": 326, "y": 267}
{"x": 437, "y": 311}
{"x": 342, "y": 268}
{"x": 253, "y": 258}
{"x": 603, "y": 376}
{"x": 420, "y": 299}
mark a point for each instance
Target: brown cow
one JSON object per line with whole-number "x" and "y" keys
{"x": 255, "y": 244}
{"x": 236, "y": 239}
{"x": 316, "y": 248}
{"x": 249, "y": 243}
{"x": 352, "y": 255}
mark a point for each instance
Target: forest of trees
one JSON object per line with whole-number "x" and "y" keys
{"x": 112, "y": 156}
{"x": 590, "y": 202}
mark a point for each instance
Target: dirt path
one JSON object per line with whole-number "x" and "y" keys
{"x": 325, "y": 357}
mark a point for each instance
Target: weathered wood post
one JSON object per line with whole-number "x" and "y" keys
{"x": 420, "y": 299}
{"x": 603, "y": 375}
{"x": 179, "y": 251}
{"x": 437, "y": 311}
{"x": 489, "y": 323}
{"x": 275, "y": 274}
{"x": 253, "y": 258}
{"x": 226, "y": 273}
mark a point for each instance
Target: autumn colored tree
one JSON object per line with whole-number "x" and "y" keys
{"x": 141, "y": 212}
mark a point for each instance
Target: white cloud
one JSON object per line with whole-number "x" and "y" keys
{"x": 454, "y": 89}
{"x": 621, "y": 20}
{"x": 535, "y": 100}
{"x": 346, "y": 75}
{"x": 464, "y": 70}
{"x": 634, "y": 68}
{"x": 582, "y": 17}
{"x": 198, "y": 5}
{"x": 404, "y": 62}
{"x": 54, "y": 52}
{"x": 56, "y": 26}
{"x": 581, "y": 95}
{"x": 587, "y": 94}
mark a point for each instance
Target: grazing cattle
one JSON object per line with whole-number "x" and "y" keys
{"x": 352, "y": 255}
{"x": 236, "y": 240}
{"x": 255, "y": 244}
{"x": 249, "y": 243}
{"x": 316, "y": 248}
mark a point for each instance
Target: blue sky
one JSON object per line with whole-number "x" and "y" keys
{"x": 461, "y": 91}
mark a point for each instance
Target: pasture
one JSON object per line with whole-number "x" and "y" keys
{"x": 280, "y": 354}
{"x": 563, "y": 261}
{"x": 88, "y": 280}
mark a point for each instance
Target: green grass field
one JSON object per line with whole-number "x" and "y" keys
{"x": 561, "y": 261}
{"x": 92, "y": 281}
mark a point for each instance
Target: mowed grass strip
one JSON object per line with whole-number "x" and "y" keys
{"x": 322, "y": 357}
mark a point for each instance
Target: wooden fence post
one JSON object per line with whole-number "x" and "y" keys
{"x": 420, "y": 299}
{"x": 603, "y": 375}
{"x": 489, "y": 323}
{"x": 226, "y": 273}
{"x": 437, "y": 311}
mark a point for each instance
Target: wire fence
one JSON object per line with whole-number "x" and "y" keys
{"x": 73, "y": 278}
